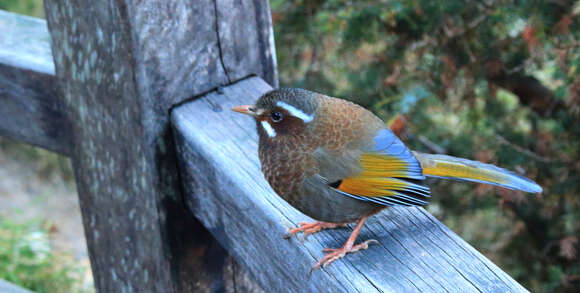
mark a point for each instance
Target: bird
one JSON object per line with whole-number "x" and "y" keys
{"x": 338, "y": 163}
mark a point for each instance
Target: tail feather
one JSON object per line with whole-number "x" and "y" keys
{"x": 448, "y": 167}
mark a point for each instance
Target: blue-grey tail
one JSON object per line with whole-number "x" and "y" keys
{"x": 443, "y": 166}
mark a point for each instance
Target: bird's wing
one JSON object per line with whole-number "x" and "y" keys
{"x": 390, "y": 175}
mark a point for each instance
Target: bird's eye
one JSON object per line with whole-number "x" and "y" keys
{"x": 276, "y": 116}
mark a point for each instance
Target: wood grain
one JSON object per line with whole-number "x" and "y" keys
{"x": 31, "y": 108}
{"x": 226, "y": 190}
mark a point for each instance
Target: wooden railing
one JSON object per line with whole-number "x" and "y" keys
{"x": 139, "y": 98}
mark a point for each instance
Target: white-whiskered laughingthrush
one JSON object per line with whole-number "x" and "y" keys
{"x": 339, "y": 163}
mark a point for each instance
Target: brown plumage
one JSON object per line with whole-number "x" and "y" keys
{"x": 300, "y": 165}
{"x": 338, "y": 163}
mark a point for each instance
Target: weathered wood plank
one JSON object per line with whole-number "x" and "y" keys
{"x": 31, "y": 107}
{"x": 25, "y": 43}
{"x": 6, "y": 287}
{"x": 122, "y": 65}
{"x": 225, "y": 189}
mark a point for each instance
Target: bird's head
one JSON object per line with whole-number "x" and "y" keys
{"x": 282, "y": 112}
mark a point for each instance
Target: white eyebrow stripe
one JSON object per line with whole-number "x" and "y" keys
{"x": 295, "y": 112}
{"x": 269, "y": 130}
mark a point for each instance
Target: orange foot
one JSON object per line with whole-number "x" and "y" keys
{"x": 311, "y": 228}
{"x": 336, "y": 253}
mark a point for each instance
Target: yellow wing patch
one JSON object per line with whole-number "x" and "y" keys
{"x": 369, "y": 186}
{"x": 384, "y": 181}
{"x": 379, "y": 165}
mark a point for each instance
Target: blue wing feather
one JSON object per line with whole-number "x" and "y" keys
{"x": 387, "y": 143}
{"x": 405, "y": 191}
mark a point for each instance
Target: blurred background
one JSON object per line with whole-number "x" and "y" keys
{"x": 495, "y": 81}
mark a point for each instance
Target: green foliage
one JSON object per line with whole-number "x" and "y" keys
{"x": 27, "y": 260}
{"x": 28, "y": 7}
{"x": 495, "y": 80}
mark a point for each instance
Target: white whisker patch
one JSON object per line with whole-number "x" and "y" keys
{"x": 295, "y": 112}
{"x": 269, "y": 130}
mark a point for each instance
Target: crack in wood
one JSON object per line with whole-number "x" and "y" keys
{"x": 219, "y": 42}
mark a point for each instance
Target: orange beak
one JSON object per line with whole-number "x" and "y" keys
{"x": 245, "y": 109}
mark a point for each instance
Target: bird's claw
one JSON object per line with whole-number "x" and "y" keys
{"x": 333, "y": 254}
{"x": 311, "y": 228}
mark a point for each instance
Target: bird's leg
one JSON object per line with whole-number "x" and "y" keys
{"x": 336, "y": 253}
{"x": 311, "y": 228}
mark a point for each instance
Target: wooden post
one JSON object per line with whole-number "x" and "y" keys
{"x": 122, "y": 65}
